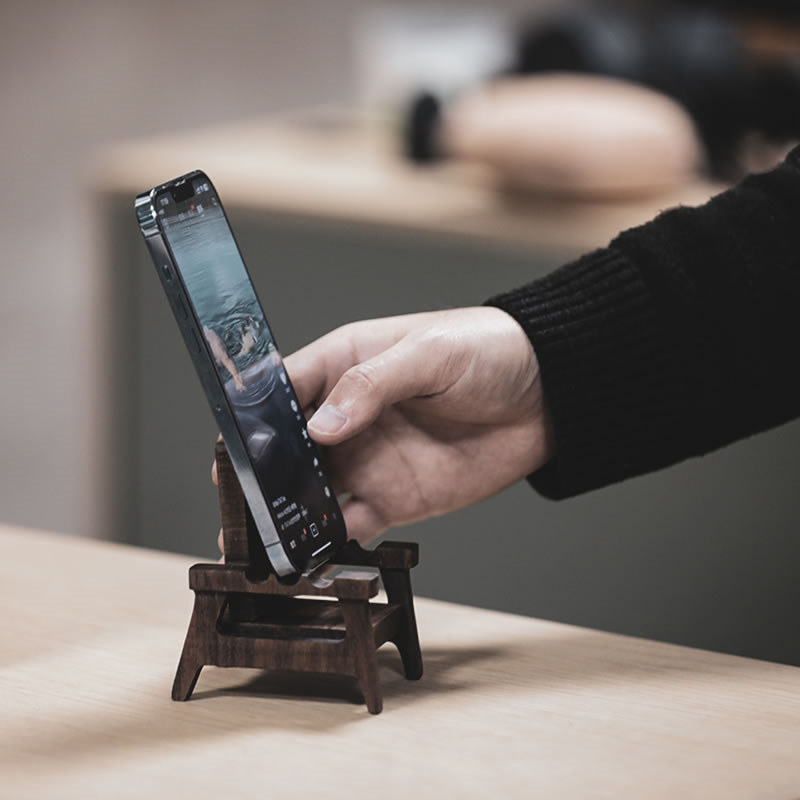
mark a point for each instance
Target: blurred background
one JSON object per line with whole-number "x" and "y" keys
{"x": 381, "y": 158}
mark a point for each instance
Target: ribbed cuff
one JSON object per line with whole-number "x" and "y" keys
{"x": 602, "y": 355}
{"x": 678, "y": 339}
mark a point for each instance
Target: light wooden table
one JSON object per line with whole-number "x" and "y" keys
{"x": 508, "y": 706}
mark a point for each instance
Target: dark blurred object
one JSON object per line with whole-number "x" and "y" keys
{"x": 422, "y": 122}
{"x": 703, "y": 60}
{"x": 775, "y": 8}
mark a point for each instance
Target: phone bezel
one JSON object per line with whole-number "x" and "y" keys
{"x": 277, "y": 553}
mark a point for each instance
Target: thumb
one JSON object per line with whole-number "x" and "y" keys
{"x": 365, "y": 389}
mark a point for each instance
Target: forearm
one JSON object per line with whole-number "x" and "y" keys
{"x": 677, "y": 339}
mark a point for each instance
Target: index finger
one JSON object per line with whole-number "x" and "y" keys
{"x": 316, "y": 368}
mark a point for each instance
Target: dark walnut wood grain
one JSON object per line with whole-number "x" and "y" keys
{"x": 245, "y": 617}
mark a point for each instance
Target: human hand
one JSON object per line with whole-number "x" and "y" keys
{"x": 423, "y": 414}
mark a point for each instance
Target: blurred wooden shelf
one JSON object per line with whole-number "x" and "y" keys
{"x": 325, "y": 165}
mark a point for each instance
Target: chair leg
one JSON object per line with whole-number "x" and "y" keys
{"x": 397, "y": 583}
{"x": 185, "y": 678}
{"x": 196, "y": 648}
{"x": 361, "y": 644}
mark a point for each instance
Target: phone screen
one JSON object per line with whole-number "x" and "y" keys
{"x": 239, "y": 340}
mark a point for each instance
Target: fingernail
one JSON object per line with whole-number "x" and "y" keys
{"x": 328, "y": 419}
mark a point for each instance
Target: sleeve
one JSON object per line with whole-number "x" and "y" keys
{"x": 680, "y": 337}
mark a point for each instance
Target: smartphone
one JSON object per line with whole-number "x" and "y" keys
{"x": 236, "y": 357}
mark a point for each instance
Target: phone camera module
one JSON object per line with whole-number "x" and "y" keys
{"x": 182, "y": 191}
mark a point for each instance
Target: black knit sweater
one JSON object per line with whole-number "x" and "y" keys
{"x": 681, "y": 337}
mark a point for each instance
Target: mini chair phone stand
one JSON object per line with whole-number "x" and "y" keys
{"x": 245, "y": 617}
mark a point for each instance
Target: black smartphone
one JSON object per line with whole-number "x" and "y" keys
{"x": 234, "y": 352}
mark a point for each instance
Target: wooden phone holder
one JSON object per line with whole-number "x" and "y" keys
{"x": 245, "y": 617}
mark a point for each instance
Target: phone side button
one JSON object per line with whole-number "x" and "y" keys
{"x": 194, "y": 341}
{"x": 181, "y": 307}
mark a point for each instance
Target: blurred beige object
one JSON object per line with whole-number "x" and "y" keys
{"x": 575, "y": 135}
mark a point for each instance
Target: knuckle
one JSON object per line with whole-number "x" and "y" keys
{"x": 437, "y": 342}
{"x": 442, "y": 356}
{"x": 345, "y": 333}
{"x": 363, "y": 379}
{"x": 345, "y": 330}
